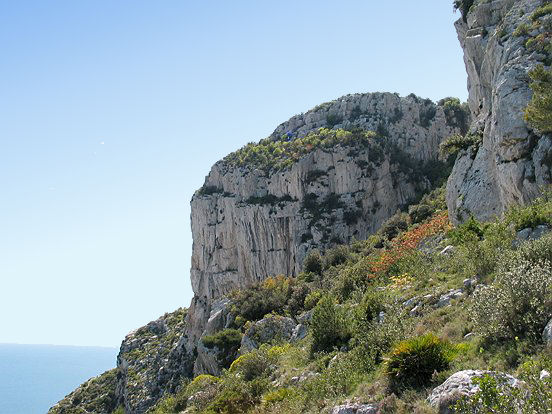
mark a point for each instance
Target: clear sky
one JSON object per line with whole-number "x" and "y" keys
{"x": 112, "y": 112}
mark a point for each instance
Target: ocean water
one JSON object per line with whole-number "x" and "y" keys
{"x": 35, "y": 377}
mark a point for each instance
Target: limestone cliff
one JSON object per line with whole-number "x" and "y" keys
{"x": 513, "y": 162}
{"x": 251, "y": 221}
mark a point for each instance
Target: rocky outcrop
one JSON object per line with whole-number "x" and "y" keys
{"x": 512, "y": 163}
{"x": 251, "y": 222}
{"x": 547, "y": 334}
{"x": 352, "y": 408}
{"x": 271, "y": 328}
{"x": 461, "y": 384}
{"x": 152, "y": 361}
{"x": 97, "y": 395}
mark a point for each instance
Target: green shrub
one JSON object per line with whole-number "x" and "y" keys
{"x": 541, "y": 11}
{"x": 470, "y": 230}
{"x": 255, "y": 364}
{"x": 457, "y": 114}
{"x": 270, "y": 295}
{"x": 394, "y": 225}
{"x": 538, "y": 212}
{"x": 274, "y": 155}
{"x": 313, "y": 263}
{"x": 495, "y": 395}
{"x": 522, "y": 30}
{"x": 517, "y": 305}
{"x": 328, "y": 326}
{"x": 455, "y": 143}
{"x": 539, "y": 110}
{"x": 464, "y": 7}
{"x": 227, "y": 341}
{"x": 413, "y": 362}
{"x": 336, "y": 256}
{"x": 333, "y": 119}
{"x": 420, "y": 212}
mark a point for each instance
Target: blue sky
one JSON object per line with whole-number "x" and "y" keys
{"x": 112, "y": 112}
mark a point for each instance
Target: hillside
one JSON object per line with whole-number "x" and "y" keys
{"x": 375, "y": 254}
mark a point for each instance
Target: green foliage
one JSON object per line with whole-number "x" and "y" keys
{"x": 412, "y": 362}
{"x": 420, "y": 212}
{"x": 522, "y": 30}
{"x": 209, "y": 190}
{"x": 313, "y": 263}
{"x": 256, "y": 364}
{"x": 96, "y": 395}
{"x": 470, "y": 230}
{"x": 227, "y": 341}
{"x": 455, "y": 143}
{"x": 496, "y": 395}
{"x": 333, "y": 119}
{"x": 541, "y": 11}
{"x": 517, "y": 305}
{"x": 273, "y": 295}
{"x": 271, "y": 155}
{"x": 538, "y": 212}
{"x": 394, "y": 225}
{"x": 457, "y": 114}
{"x": 328, "y": 326}
{"x": 464, "y": 7}
{"x": 539, "y": 110}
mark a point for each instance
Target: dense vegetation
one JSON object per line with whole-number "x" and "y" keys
{"x": 377, "y": 330}
{"x": 271, "y": 155}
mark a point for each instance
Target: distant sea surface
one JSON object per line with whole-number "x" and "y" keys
{"x": 35, "y": 377}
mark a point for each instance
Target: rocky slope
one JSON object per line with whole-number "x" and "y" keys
{"x": 265, "y": 206}
{"x": 513, "y": 162}
{"x": 251, "y": 221}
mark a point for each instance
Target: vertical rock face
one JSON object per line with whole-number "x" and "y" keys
{"x": 513, "y": 162}
{"x": 249, "y": 223}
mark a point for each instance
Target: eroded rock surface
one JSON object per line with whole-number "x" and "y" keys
{"x": 513, "y": 162}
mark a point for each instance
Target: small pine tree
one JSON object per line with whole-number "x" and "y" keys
{"x": 325, "y": 325}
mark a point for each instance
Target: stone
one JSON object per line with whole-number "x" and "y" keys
{"x": 445, "y": 299}
{"x": 544, "y": 374}
{"x": 509, "y": 166}
{"x": 547, "y": 333}
{"x": 447, "y": 251}
{"x": 299, "y": 332}
{"x": 351, "y": 408}
{"x": 469, "y": 336}
{"x": 461, "y": 384}
{"x": 268, "y": 329}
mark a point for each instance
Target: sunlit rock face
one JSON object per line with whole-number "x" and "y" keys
{"x": 249, "y": 223}
{"x": 513, "y": 163}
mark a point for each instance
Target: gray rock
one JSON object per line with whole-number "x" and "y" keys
{"x": 445, "y": 299}
{"x": 547, "y": 333}
{"x": 351, "y": 408}
{"x": 447, "y": 251}
{"x": 299, "y": 332}
{"x": 509, "y": 167}
{"x": 469, "y": 284}
{"x": 469, "y": 336}
{"x": 271, "y": 328}
{"x": 460, "y": 384}
{"x": 239, "y": 239}
{"x": 544, "y": 374}
{"x": 415, "y": 310}
{"x": 305, "y": 317}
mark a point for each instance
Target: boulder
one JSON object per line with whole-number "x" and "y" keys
{"x": 351, "y": 408}
{"x": 547, "y": 333}
{"x": 460, "y": 384}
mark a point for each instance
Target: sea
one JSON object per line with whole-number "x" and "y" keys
{"x": 34, "y": 377}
